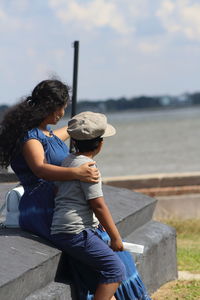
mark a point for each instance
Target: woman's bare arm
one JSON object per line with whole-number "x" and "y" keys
{"x": 62, "y": 133}
{"x": 34, "y": 155}
{"x": 103, "y": 214}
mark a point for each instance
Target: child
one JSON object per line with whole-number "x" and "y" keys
{"x": 80, "y": 215}
{"x": 74, "y": 224}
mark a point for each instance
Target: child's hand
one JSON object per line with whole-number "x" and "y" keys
{"x": 116, "y": 245}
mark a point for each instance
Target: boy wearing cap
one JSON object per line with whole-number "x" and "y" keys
{"x": 80, "y": 209}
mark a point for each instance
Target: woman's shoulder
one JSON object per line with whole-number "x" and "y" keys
{"x": 34, "y": 133}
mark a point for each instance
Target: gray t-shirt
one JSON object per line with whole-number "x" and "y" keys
{"x": 72, "y": 213}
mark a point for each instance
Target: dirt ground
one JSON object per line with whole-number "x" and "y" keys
{"x": 178, "y": 290}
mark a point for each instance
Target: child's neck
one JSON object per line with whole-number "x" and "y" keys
{"x": 89, "y": 154}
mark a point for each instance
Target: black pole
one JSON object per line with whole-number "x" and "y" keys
{"x": 74, "y": 85}
{"x": 75, "y": 78}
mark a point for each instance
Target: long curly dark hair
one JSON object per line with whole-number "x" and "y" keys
{"x": 47, "y": 97}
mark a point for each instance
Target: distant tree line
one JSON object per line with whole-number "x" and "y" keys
{"x": 141, "y": 102}
{"x": 195, "y": 98}
{"x": 3, "y": 109}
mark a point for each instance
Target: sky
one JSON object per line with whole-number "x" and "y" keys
{"x": 127, "y": 48}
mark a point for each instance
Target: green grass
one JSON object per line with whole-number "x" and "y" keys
{"x": 188, "y": 257}
{"x": 188, "y": 243}
{"x": 189, "y": 228}
{"x": 189, "y": 290}
{"x": 178, "y": 290}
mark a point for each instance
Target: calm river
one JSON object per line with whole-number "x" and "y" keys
{"x": 161, "y": 141}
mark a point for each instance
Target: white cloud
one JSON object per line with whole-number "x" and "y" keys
{"x": 42, "y": 68}
{"x": 20, "y": 5}
{"x": 2, "y": 15}
{"x": 128, "y": 37}
{"x": 10, "y": 22}
{"x": 31, "y": 52}
{"x": 181, "y": 17}
{"x": 136, "y": 9}
{"x": 59, "y": 55}
{"x": 149, "y": 47}
{"x": 92, "y": 14}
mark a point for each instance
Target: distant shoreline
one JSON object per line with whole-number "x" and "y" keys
{"x": 135, "y": 104}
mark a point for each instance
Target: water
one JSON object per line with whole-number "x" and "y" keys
{"x": 162, "y": 141}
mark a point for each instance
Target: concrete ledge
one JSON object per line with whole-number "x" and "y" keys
{"x": 130, "y": 210}
{"x": 8, "y": 177}
{"x": 29, "y": 265}
{"x": 154, "y": 180}
{"x": 157, "y": 265}
{"x": 189, "y": 180}
{"x": 53, "y": 291}
{"x": 170, "y": 191}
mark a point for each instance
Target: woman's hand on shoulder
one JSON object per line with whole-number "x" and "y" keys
{"x": 88, "y": 173}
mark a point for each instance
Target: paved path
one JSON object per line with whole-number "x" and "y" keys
{"x": 185, "y": 275}
{"x": 185, "y": 206}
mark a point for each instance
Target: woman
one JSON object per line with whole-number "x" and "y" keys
{"x": 35, "y": 153}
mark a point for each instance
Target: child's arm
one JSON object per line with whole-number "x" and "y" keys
{"x": 103, "y": 214}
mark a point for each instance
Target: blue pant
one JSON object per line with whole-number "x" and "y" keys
{"x": 88, "y": 248}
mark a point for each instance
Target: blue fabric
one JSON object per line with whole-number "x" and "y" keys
{"x": 36, "y": 212}
{"x": 88, "y": 248}
{"x": 132, "y": 288}
{"x": 37, "y": 203}
{"x": 55, "y": 152}
{"x": 86, "y": 278}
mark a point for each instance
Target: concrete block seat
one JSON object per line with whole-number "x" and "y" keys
{"x": 28, "y": 263}
{"x": 31, "y": 268}
{"x": 158, "y": 264}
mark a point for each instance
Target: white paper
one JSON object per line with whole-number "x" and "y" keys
{"x": 133, "y": 248}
